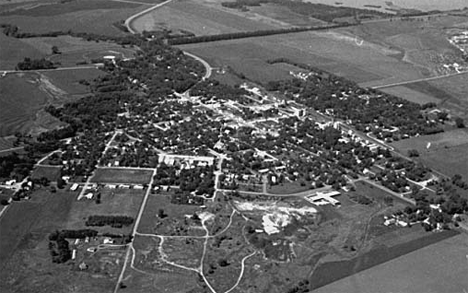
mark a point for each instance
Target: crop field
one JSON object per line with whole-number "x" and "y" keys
{"x": 281, "y": 14}
{"x": 109, "y": 175}
{"x": 14, "y": 50}
{"x": 98, "y": 21}
{"x": 456, "y": 89}
{"x": 58, "y": 8}
{"x": 125, "y": 202}
{"x": 331, "y": 51}
{"x": 440, "y": 267}
{"x": 447, "y": 151}
{"x": 196, "y": 18}
{"x": 44, "y": 213}
{"x": 411, "y": 94}
{"x": 20, "y": 100}
{"x": 73, "y": 50}
{"x": 6, "y": 142}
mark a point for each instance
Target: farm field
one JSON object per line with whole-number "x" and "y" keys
{"x": 411, "y": 95}
{"x": 129, "y": 176}
{"x": 23, "y": 97}
{"x": 440, "y": 267}
{"x": 447, "y": 152}
{"x": 25, "y": 260}
{"x": 73, "y": 50}
{"x": 456, "y": 88}
{"x": 97, "y": 21}
{"x": 14, "y": 50}
{"x": 39, "y": 8}
{"x": 370, "y": 54}
{"x": 196, "y": 18}
{"x": 330, "y": 51}
{"x": 125, "y": 202}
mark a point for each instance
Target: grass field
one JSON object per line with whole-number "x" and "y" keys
{"x": 113, "y": 202}
{"x": 51, "y": 173}
{"x": 456, "y": 88}
{"x": 25, "y": 261}
{"x": 109, "y": 175}
{"x": 20, "y": 100}
{"x": 441, "y": 267}
{"x": 331, "y": 51}
{"x": 99, "y": 21}
{"x": 44, "y": 213}
{"x": 69, "y": 80}
{"x": 75, "y": 50}
{"x": 411, "y": 94}
{"x": 14, "y": 50}
{"x": 57, "y": 8}
{"x": 196, "y": 18}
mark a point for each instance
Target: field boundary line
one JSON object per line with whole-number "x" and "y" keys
{"x": 419, "y": 80}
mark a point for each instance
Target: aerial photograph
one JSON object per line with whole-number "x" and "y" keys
{"x": 233, "y": 146}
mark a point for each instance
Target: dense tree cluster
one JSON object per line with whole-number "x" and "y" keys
{"x": 34, "y": 64}
{"x": 59, "y": 248}
{"x": 113, "y": 221}
{"x": 14, "y": 166}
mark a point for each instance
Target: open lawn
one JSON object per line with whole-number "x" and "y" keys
{"x": 441, "y": 267}
{"x": 175, "y": 215}
{"x": 196, "y": 18}
{"x": 69, "y": 80}
{"x": 51, "y": 173}
{"x": 113, "y": 202}
{"x": 110, "y": 175}
{"x": 439, "y": 141}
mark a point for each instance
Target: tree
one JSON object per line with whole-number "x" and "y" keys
{"x": 55, "y": 50}
{"x": 161, "y": 214}
{"x": 61, "y": 183}
{"x": 459, "y": 122}
{"x": 413, "y": 153}
{"x": 4, "y": 202}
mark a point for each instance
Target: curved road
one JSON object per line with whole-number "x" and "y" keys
{"x": 128, "y": 24}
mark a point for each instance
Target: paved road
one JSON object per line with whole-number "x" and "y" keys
{"x": 128, "y": 24}
{"x": 128, "y": 21}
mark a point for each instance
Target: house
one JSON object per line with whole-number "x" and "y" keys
{"x": 324, "y": 198}
{"x": 83, "y": 266}
{"x": 74, "y": 187}
{"x": 89, "y": 195}
{"x": 138, "y": 187}
{"x": 108, "y": 240}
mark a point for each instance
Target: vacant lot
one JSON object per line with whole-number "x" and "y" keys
{"x": 51, "y": 173}
{"x": 113, "y": 202}
{"x": 109, "y": 175}
{"x": 69, "y": 80}
{"x": 440, "y": 267}
{"x": 196, "y": 18}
